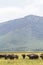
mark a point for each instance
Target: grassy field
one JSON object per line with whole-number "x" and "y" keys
{"x": 21, "y": 61}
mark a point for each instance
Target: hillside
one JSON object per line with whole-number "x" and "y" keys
{"x": 22, "y": 34}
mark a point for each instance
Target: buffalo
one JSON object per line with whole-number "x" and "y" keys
{"x": 41, "y": 56}
{"x": 33, "y": 56}
{"x": 23, "y": 55}
{"x": 16, "y": 56}
{"x": 2, "y": 56}
{"x": 11, "y": 56}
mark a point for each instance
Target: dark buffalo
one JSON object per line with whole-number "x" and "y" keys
{"x": 23, "y": 55}
{"x": 33, "y": 56}
{"x": 2, "y": 56}
{"x": 6, "y": 57}
{"x": 16, "y": 56}
{"x": 11, "y": 57}
{"x": 41, "y": 56}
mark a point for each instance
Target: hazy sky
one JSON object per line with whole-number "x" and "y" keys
{"x": 11, "y": 9}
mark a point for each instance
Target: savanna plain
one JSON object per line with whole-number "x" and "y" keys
{"x": 20, "y": 60}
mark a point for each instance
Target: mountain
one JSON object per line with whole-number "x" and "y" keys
{"x": 22, "y": 34}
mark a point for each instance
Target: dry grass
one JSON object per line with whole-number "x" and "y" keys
{"x": 21, "y": 61}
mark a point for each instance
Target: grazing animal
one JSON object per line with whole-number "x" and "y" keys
{"x": 11, "y": 57}
{"x": 33, "y": 56}
{"x": 16, "y": 56}
{"x": 41, "y": 56}
{"x": 2, "y": 56}
{"x": 6, "y": 57}
{"x": 23, "y": 55}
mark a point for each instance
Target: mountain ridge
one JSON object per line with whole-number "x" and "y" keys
{"x": 22, "y": 34}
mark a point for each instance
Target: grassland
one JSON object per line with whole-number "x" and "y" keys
{"x": 21, "y": 61}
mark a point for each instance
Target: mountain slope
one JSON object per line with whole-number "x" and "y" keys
{"x": 22, "y": 34}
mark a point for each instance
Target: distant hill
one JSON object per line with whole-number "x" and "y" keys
{"x": 22, "y": 34}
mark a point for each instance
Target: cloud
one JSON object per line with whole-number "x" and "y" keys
{"x": 35, "y": 7}
{"x": 21, "y": 9}
{"x": 10, "y": 13}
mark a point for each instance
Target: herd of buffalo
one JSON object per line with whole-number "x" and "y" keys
{"x": 12, "y": 56}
